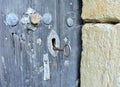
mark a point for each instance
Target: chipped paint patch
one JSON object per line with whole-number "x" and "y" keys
{"x": 65, "y": 40}
{"x": 30, "y": 11}
{"x": 25, "y": 20}
{"x": 71, "y": 3}
{"x": 31, "y": 19}
{"x": 3, "y": 62}
{"x": 77, "y": 82}
{"x": 39, "y": 41}
{"x": 46, "y": 67}
{"x": 49, "y": 27}
{"x": 41, "y": 69}
{"x": 32, "y": 27}
{"x": 66, "y": 63}
{"x": 6, "y": 38}
{"x": 27, "y": 80}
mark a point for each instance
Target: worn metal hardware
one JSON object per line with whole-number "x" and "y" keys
{"x": 12, "y": 19}
{"x": 53, "y": 34}
{"x": 70, "y": 22}
{"x": 61, "y": 49}
{"x": 47, "y": 18}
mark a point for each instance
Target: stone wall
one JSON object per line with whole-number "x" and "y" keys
{"x": 100, "y": 63}
{"x": 101, "y": 10}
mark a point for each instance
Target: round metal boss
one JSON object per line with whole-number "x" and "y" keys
{"x": 47, "y": 18}
{"x": 70, "y": 22}
{"x": 12, "y": 19}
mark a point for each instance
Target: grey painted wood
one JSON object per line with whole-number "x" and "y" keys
{"x": 21, "y": 57}
{"x": 70, "y": 74}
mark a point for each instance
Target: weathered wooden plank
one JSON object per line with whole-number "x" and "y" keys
{"x": 70, "y": 72}
{"x": 43, "y": 31}
{"x": 10, "y": 45}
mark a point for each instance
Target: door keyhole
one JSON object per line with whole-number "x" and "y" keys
{"x": 61, "y": 49}
{"x": 53, "y": 42}
{"x": 54, "y": 45}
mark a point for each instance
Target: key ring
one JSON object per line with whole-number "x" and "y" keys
{"x": 63, "y": 49}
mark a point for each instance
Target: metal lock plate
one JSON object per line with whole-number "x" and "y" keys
{"x": 52, "y": 35}
{"x": 12, "y": 19}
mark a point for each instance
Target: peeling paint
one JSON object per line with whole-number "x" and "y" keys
{"x": 77, "y": 83}
{"x": 31, "y": 19}
{"x": 46, "y": 67}
{"x": 6, "y": 38}
{"x": 30, "y": 11}
{"x": 3, "y": 62}
{"x": 41, "y": 69}
{"x": 66, "y": 63}
{"x": 31, "y": 27}
{"x": 39, "y": 41}
{"x": 49, "y": 27}
{"x": 65, "y": 40}
{"x": 25, "y": 20}
{"x": 27, "y": 80}
{"x": 71, "y": 3}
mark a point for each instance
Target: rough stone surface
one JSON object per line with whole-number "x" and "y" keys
{"x": 100, "y": 63}
{"x": 101, "y": 10}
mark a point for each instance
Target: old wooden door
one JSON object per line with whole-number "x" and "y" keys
{"x": 26, "y": 58}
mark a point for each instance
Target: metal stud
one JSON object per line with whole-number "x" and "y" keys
{"x": 70, "y": 22}
{"x": 12, "y": 19}
{"x": 47, "y": 18}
